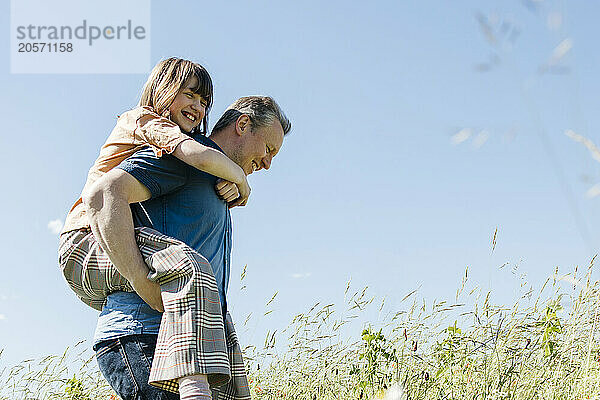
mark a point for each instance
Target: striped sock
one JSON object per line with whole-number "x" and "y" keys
{"x": 194, "y": 387}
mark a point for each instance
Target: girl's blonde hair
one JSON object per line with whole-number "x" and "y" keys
{"x": 165, "y": 81}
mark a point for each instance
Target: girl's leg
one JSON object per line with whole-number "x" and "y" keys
{"x": 192, "y": 335}
{"x": 194, "y": 387}
{"x": 88, "y": 270}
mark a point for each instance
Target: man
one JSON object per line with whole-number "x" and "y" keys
{"x": 179, "y": 201}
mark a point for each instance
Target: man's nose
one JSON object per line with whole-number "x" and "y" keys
{"x": 266, "y": 161}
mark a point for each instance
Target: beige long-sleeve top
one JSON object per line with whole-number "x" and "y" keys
{"x": 135, "y": 130}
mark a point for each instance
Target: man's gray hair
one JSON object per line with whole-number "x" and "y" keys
{"x": 262, "y": 111}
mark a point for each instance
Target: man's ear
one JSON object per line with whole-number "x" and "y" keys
{"x": 242, "y": 125}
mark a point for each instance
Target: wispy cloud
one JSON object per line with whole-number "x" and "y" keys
{"x": 480, "y": 139}
{"x": 2, "y": 317}
{"x": 461, "y": 136}
{"x": 55, "y": 226}
{"x": 301, "y": 276}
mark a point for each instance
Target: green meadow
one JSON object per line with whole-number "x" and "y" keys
{"x": 544, "y": 346}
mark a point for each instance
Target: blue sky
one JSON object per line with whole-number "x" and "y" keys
{"x": 415, "y": 136}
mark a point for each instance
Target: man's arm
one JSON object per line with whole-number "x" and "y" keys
{"x": 111, "y": 222}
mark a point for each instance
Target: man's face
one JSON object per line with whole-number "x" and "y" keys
{"x": 188, "y": 108}
{"x": 258, "y": 146}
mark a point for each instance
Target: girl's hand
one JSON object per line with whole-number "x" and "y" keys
{"x": 234, "y": 195}
{"x": 244, "y": 190}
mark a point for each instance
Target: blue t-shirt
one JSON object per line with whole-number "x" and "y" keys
{"x": 185, "y": 206}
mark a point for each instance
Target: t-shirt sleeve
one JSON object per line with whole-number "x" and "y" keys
{"x": 161, "y": 175}
{"x": 160, "y": 132}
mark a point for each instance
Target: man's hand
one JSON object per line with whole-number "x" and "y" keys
{"x": 149, "y": 292}
{"x": 233, "y": 194}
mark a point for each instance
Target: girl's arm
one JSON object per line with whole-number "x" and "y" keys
{"x": 165, "y": 135}
{"x": 215, "y": 163}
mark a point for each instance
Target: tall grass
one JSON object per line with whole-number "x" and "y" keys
{"x": 533, "y": 349}
{"x": 72, "y": 375}
{"x": 465, "y": 349}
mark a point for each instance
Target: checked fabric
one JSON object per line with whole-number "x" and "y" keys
{"x": 193, "y": 338}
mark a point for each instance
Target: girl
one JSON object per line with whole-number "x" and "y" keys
{"x": 175, "y": 101}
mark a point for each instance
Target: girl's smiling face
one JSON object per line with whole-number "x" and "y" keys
{"x": 188, "y": 108}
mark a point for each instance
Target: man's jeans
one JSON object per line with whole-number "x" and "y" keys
{"x": 125, "y": 363}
